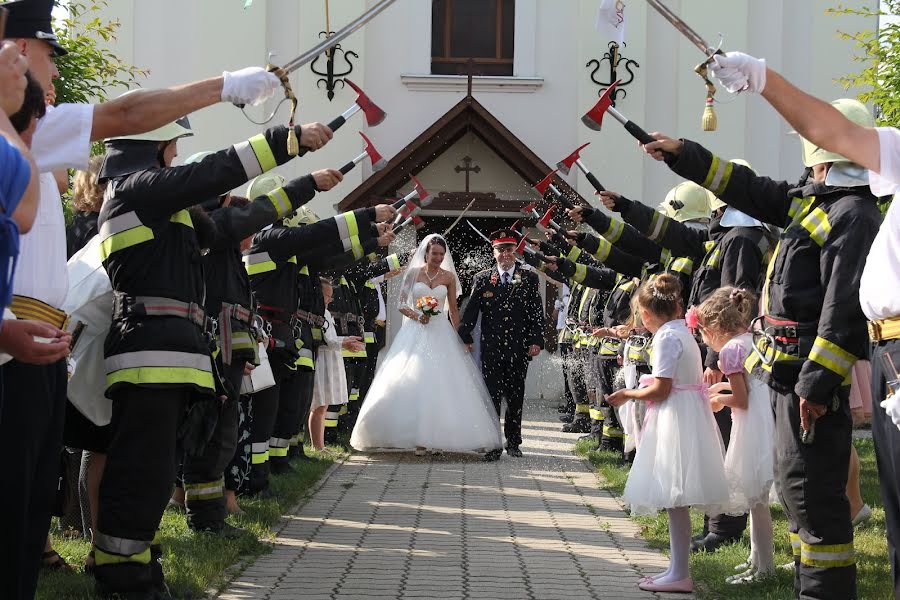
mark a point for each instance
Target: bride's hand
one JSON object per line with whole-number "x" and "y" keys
{"x": 423, "y": 319}
{"x": 468, "y": 347}
{"x": 353, "y": 343}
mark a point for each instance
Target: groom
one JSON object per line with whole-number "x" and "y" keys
{"x": 512, "y": 324}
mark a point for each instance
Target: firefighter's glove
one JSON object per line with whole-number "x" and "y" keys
{"x": 739, "y": 72}
{"x": 252, "y": 85}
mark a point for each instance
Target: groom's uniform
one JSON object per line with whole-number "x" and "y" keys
{"x": 512, "y": 319}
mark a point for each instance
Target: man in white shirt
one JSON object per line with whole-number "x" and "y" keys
{"x": 31, "y": 418}
{"x": 876, "y": 149}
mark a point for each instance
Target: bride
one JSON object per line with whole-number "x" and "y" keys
{"x": 428, "y": 393}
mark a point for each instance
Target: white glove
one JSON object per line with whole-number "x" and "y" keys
{"x": 252, "y": 85}
{"x": 891, "y": 406}
{"x": 739, "y": 72}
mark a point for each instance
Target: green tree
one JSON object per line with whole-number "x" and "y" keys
{"x": 878, "y": 52}
{"x": 91, "y": 67}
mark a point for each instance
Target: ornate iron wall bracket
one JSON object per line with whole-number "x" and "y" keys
{"x": 614, "y": 58}
{"x": 330, "y": 78}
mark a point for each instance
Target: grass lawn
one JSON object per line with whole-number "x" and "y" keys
{"x": 709, "y": 570}
{"x": 195, "y": 563}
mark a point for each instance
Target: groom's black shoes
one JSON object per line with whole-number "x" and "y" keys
{"x": 513, "y": 451}
{"x": 493, "y": 455}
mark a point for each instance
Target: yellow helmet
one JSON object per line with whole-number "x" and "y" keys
{"x": 197, "y": 157}
{"x": 687, "y": 201}
{"x": 302, "y": 216}
{"x": 714, "y": 202}
{"x": 854, "y": 110}
{"x": 265, "y": 183}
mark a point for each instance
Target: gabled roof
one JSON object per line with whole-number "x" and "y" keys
{"x": 468, "y": 115}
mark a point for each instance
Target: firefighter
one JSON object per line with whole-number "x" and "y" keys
{"x": 812, "y": 330}
{"x": 346, "y": 308}
{"x": 272, "y": 265}
{"x": 160, "y": 374}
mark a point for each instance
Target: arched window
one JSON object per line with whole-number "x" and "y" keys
{"x": 479, "y": 29}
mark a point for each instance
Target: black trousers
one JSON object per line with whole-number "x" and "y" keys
{"x": 136, "y": 485}
{"x": 506, "y": 380}
{"x": 613, "y": 435}
{"x": 204, "y": 485}
{"x": 565, "y": 351}
{"x": 31, "y": 424}
{"x": 812, "y": 480}
{"x": 265, "y": 413}
{"x": 237, "y": 474}
{"x": 290, "y": 407}
{"x": 887, "y": 450}
{"x": 578, "y": 383}
{"x": 306, "y": 380}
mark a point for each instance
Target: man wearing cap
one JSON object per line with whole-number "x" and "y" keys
{"x": 31, "y": 430}
{"x": 512, "y": 323}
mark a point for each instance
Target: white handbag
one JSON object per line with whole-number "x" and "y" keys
{"x": 261, "y": 377}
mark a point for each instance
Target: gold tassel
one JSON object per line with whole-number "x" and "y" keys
{"x": 709, "y": 122}
{"x": 293, "y": 144}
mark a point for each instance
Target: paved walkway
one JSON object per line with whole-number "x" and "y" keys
{"x": 400, "y": 526}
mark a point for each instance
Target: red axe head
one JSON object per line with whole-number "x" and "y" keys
{"x": 544, "y": 221}
{"x": 424, "y": 196}
{"x": 417, "y": 222}
{"x": 594, "y": 117}
{"x": 377, "y": 161}
{"x": 408, "y": 209}
{"x": 543, "y": 185}
{"x": 374, "y": 115}
{"x": 520, "y": 247}
{"x": 528, "y": 210}
{"x": 565, "y": 165}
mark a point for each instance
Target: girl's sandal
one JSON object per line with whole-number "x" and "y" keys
{"x": 52, "y": 561}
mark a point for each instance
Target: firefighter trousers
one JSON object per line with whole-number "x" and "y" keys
{"x": 136, "y": 485}
{"x": 305, "y": 382}
{"x": 812, "y": 482}
{"x": 613, "y": 437}
{"x": 237, "y": 474}
{"x": 204, "y": 481}
{"x": 31, "y": 431}
{"x": 887, "y": 450}
{"x": 286, "y": 419}
{"x": 565, "y": 354}
{"x": 265, "y": 412}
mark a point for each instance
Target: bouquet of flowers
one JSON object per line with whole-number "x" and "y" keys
{"x": 428, "y": 305}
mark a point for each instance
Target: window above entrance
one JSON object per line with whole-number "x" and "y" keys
{"x": 483, "y": 30}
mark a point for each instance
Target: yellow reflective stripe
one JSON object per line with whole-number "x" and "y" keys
{"x": 347, "y": 225}
{"x": 827, "y": 555}
{"x": 305, "y": 361}
{"x": 604, "y": 247}
{"x": 262, "y": 267}
{"x": 393, "y": 262}
{"x": 770, "y": 268}
{"x": 102, "y": 558}
{"x": 292, "y": 259}
{"x": 356, "y": 247}
{"x": 263, "y": 152}
{"x": 370, "y": 338}
{"x": 317, "y": 333}
{"x": 280, "y": 201}
{"x": 580, "y": 274}
{"x": 832, "y": 357}
{"x": 799, "y": 206}
{"x": 596, "y": 415}
{"x": 658, "y": 225}
{"x": 183, "y": 217}
{"x": 816, "y": 223}
{"x": 126, "y": 239}
{"x": 718, "y": 176}
{"x": 682, "y": 265}
{"x": 574, "y": 253}
{"x": 712, "y": 259}
{"x": 205, "y": 491}
{"x": 259, "y": 458}
{"x": 168, "y": 375}
{"x": 582, "y": 409}
{"x": 278, "y": 452}
{"x": 304, "y": 270}
{"x": 795, "y": 542}
{"x": 344, "y": 410}
{"x": 331, "y": 423}
{"x": 612, "y": 432}
{"x": 750, "y": 362}
{"x": 614, "y": 231}
{"x": 351, "y": 354}
{"x": 665, "y": 256}
{"x": 369, "y": 284}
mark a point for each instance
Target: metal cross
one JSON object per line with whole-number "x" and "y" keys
{"x": 468, "y": 168}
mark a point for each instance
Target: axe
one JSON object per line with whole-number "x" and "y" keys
{"x": 546, "y": 223}
{"x": 377, "y": 161}
{"x": 530, "y": 211}
{"x": 594, "y": 117}
{"x": 545, "y": 184}
{"x": 404, "y": 205}
{"x": 374, "y": 115}
{"x": 416, "y": 221}
{"x": 565, "y": 165}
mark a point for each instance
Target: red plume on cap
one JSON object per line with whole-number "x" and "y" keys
{"x": 503, "y": 236}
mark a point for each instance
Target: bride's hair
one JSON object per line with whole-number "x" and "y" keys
{"x": 436, "y": 241}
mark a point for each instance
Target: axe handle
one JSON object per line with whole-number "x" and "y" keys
{"x": 565, "y": 201}
{"x": 347, "y": 168}
{"x": 595, "y": 182}
{"x": 640, "y": 135}
{"x": 336, "y": 123}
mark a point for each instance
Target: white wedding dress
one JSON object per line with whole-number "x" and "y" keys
{"x": 427, "y": 392}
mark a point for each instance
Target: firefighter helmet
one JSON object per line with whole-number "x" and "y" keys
{"x": 687, "y": 201}
{"x": 265, "y": 183}
{"x": 854, "y": 110}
